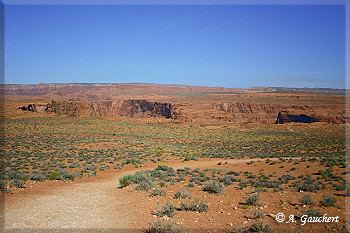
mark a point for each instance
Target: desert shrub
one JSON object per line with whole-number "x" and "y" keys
{"x": 162, "y": 183}
{"x": 306, "y": 200}
{"x": 243, "y": 184}
{"x": 159, "y": 226}
{"x": 184, "y": 171}
{"x": 36, "y": 176}
{"x": 313, "y": 213}
{"x": 143, "y": 182}
{"x": 144, "y": 185}
{"x": 252, "y": 199}
{"x": 228, "y": 180}
{"x": 54, "y": 176}
{"x": 188, "y": 158}
{"x": 17, "y": 183}
{"x": 231, "y": 172}
{"x": 168, "y": 209}
{"x": 69, "y": 176}
{"x": 91, "y": 167}
{"x": 267, "y": 184}
{"x": 12, "y": 175}
{"x": 2, "y": 184}
{"x": 172, "y": 181}
{"x": 140, "y": 177}
{"x": 339, "y": 187}
{"x": 195, "y": 179}
{"x": 159, "y": 174}
{"x": 328, "y": 201}
{"x": 309, "y": 186}
{"x": 157, "y": 192}
{"x": 182, "y": 195}
{"x": 251, "y": 176}
{"x": 288, "y": 177}
{"x": 125, "y": 180}
{"x": 255, "y": 214}
{"x": 132, "y": 161}
{"x": 260, "y": 227}
{"x": 194, "y": 205}
{"x": 213, "y": 187}
{"x": 167, "y": 169}
{"x": 273, "y": 163}
{"x": 325, "y": 174}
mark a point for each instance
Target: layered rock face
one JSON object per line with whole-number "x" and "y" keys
{"x": 240, "y": 112}
{"x": 298, "y": 116}
{"x": 267, "y": 113}
{"x": 253, "y": 112}
{"x": 128, "y": 108}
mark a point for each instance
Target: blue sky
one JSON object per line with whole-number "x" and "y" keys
{"x": 224, "y": 45}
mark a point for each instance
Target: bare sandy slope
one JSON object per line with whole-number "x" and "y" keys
{"x": 90, "y": 204}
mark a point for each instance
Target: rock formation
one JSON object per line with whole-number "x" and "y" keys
{"x": 295, "y": 116}
{"x": 267, "y": 113}
{"x": 129, "y": 108}
{"x": 35, "y": 107}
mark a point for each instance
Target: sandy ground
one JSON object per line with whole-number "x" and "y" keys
{"x": 95, "y": 204}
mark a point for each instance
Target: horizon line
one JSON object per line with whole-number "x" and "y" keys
{"x": 42, "y": 83}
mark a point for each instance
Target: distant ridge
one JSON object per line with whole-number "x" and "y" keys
{"x": 46, "y": 88}
{"x": 305, "y": 90}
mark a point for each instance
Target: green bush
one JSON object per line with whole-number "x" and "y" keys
{"x": 54, "y": 176}
{"x": 126, "y": 180}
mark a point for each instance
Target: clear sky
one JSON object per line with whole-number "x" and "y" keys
{"x": 223, "y": 45}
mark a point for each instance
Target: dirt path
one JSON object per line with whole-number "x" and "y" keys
{"x": 95, "y": 204}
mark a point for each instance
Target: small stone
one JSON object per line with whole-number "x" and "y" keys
{"x": 235, "y": 207}
{"x": 245, "y": 222}
{"x": 230, "y": 224}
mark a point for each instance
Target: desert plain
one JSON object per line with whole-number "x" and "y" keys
{"x": 173, "y": 158}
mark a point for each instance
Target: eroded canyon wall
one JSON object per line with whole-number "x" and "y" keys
{"x": 278, "y": 113}
{"x": 129, "y": 108}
